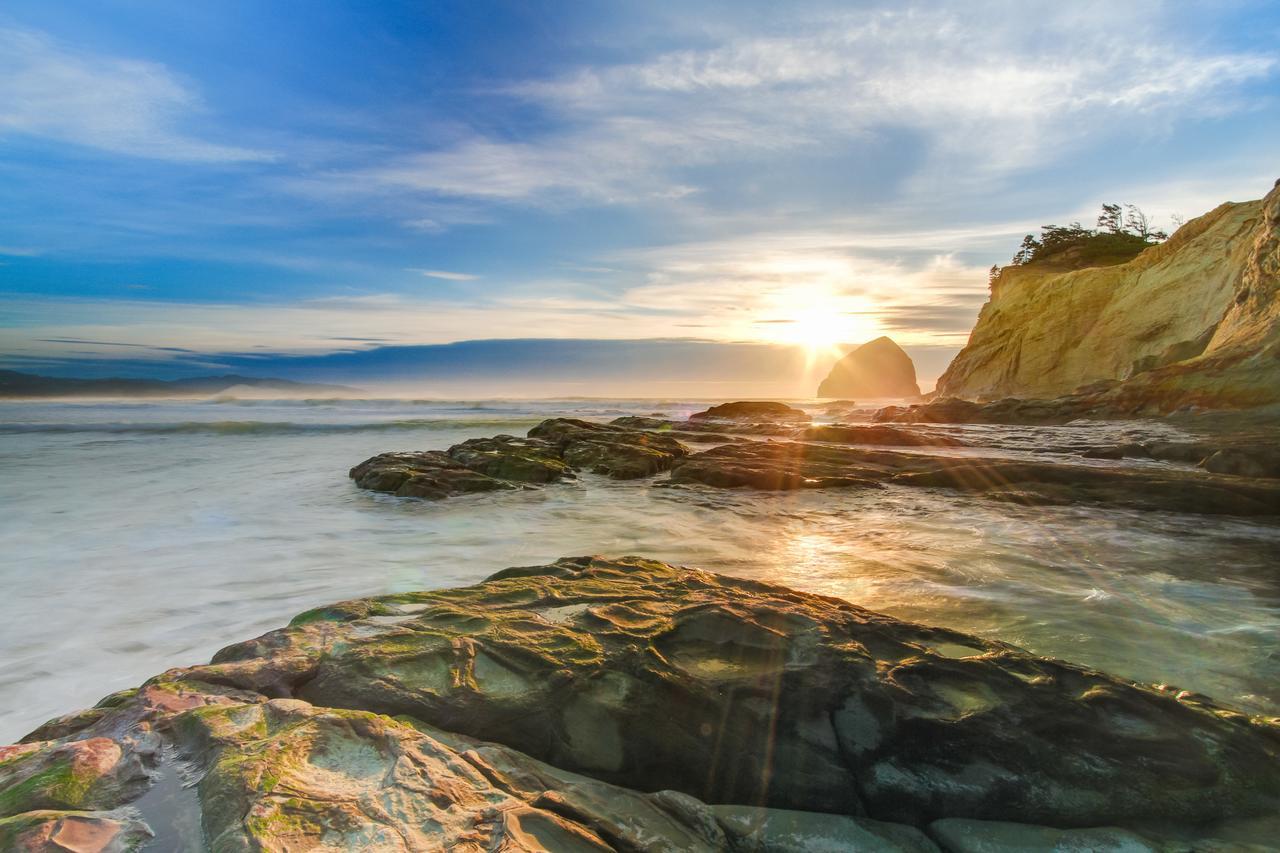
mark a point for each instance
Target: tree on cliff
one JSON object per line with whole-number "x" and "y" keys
{"x": 1122, "y": 232}
{"x": 1111, "y": 219}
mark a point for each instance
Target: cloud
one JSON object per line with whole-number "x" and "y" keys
{"x": 990, "y": 90}
{"x": 124, "y": 106}
{"x": 445, "y": 274}
{"x": 110, "y": 344}
{"x": 780, "y": 285}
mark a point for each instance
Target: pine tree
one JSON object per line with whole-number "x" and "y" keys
{"x": 1110, "y": 219}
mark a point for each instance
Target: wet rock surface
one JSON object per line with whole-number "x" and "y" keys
{"x": 1030, "y": 412}
{"x": 779, "y": 466}
{"x": 787, "y": 465}
{"x": 553, "y": 451}
{"x": 284, "y": 775}
{"x": 597, "y": 704}
{"x": 73, "y": 832}
{"x": 1239, "y": 474}
{"x": 621, "y": 453}
{"x": 878, "y": 434}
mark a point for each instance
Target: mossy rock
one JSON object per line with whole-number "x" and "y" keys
{"x": 735, "y": 691}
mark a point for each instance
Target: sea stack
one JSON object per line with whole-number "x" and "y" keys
{"x": 877, "y": 369}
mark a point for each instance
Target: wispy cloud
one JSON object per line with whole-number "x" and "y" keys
{"x": 445, "y": 274}
{"x": 125, "y": 106}
{"x": 990, "y": 90}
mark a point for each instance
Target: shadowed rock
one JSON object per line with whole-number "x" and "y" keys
{"x": 879, "y": 368}
{"x": 506, "y": 715}
{"x": 987, "y": 836}
{"x": 952, "y": 410}
{"x": 752, "y": 410}
{"x": 1244, "y": 461}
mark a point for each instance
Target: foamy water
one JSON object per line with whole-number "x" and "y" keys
{"x": 140, "y": 536}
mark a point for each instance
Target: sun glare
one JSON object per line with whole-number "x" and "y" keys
{"x": 822, "y": 323}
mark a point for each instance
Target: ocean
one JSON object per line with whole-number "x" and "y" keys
{"x": 138, "y": 536}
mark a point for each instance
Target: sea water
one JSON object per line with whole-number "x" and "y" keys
{"x": 139, "y": 536}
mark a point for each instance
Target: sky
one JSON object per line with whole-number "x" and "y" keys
{"x": 190, "y": 187}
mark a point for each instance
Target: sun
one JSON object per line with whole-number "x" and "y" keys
{"x": 816, "y": 328}
{"x": 822, "y": 325}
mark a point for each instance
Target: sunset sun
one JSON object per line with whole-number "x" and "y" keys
{"x": 819, "y": 320}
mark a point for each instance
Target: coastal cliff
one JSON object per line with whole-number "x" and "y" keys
{"x": 1192, "y": 321}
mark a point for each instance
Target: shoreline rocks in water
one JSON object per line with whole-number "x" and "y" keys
{"x": 737, "y": 714}
{"x": 787, "y": 465}
{"x": 878, "y": 434}
{"x": 554, "y": 450}
{"x": 751, "y": 410}
{"x": 1236, "y": 478}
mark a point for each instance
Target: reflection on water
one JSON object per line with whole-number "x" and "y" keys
{"x": 129, "y": 548}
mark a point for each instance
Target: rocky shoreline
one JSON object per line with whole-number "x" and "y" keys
{"x": 1234, "y": 475}
{"x": 626, "y": 704}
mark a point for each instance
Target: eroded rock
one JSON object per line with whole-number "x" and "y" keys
{"x": 734, "y": 691}
{"x": 285, "y": 775}
{"x": 80, "y": 775}
{"x": 508, "y": 715}
{"x": 72, "y": 832}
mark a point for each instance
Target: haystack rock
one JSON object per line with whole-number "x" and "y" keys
{"x": 1193, "y": 321}
{"x": 877, "y": 369}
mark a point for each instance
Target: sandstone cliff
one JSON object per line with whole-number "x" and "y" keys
{"x": 1192, "y": 321}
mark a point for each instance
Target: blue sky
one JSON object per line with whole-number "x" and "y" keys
{"x": 236, "y": 177}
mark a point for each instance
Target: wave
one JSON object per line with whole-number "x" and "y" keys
{"x": 268, "y": 427}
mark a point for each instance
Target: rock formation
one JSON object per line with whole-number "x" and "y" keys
{"x": 596, "y": 705}
{"x": 1194, "y": 321}
{"x": 751, "y": 410}
{"x": 789, "y": 465}
{"x": 877, "y": 369}
{"x": 554, "y": 450}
